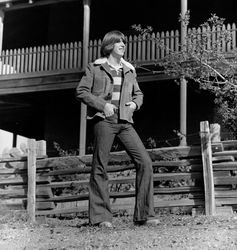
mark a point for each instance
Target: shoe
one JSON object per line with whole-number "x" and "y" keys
{"x": 148, "y": 222}
{"x": 152, "y": 222}
{"x": 106, "y": 224}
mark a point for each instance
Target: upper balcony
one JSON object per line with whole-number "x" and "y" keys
{"x": 59, "y": 66}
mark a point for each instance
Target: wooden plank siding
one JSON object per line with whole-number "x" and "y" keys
{"x": 39, "y": 81}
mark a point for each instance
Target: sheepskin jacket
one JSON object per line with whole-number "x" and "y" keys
{"x": 96, "y": 88}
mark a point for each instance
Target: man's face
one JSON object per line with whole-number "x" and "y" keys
{"x": 119, "y": 49}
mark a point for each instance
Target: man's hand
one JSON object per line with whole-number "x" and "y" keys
{"x": 131, "y": 105}
{"x": 109, "y": 109}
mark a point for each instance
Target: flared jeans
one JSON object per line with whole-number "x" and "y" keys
{"x": 99, "y": 203}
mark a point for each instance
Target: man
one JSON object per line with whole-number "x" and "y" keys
{"x": 110, "y": 90}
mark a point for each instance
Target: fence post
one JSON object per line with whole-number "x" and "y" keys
{"x": 41, "y": 148}
{"x": 215, "y": 130}
{"x": 207, "y": 168}
{"x": 31, "y": 171}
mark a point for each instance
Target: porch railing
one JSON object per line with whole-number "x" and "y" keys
{"x": 68, "y": 56}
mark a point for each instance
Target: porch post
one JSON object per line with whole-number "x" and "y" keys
{"x": 86, "y": 30}
{"x": 183, "y": 82}
{"x": 1, "y": 29}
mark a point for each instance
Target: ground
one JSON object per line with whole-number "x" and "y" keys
{"x": 174, "y": 232}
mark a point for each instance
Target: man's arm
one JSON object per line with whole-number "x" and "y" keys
{"x": 84, "y": 91}
{"x": 137, "y": 94}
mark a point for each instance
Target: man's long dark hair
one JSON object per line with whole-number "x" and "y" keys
{"x": 109, "y": 40}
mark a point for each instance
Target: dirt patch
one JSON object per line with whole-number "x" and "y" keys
{"x": 174, "y": 232}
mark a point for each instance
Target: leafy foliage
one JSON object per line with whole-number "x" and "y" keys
{"x": 201, "y": 58}
{"x": 62, "y": 152}
{"x": 68, "y": 163}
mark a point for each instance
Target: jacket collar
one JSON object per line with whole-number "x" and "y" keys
{"x": 103, "y": 62}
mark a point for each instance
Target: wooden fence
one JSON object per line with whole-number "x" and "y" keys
{"x": 219, "y": 172}
{"x": 17, "y": 178}
{"x": 68, "y": 56}
{"x": 192, "y": 178}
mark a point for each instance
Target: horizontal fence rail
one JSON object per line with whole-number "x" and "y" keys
{"x": 192, "y": 178}
{"x": 68, "y": 56}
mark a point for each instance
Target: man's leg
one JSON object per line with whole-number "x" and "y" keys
{"x": 144, "y": 206}
{"x": 99, "y": 204}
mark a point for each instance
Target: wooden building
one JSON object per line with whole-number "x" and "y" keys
{"x": 45, "y": 45}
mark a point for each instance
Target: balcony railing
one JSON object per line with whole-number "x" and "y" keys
{"x": 68, "y": 56}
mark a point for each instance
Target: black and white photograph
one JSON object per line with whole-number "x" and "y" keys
{"x": 118, "y": 125}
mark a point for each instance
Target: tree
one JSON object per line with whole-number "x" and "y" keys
{"x": 203, "y": 59}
